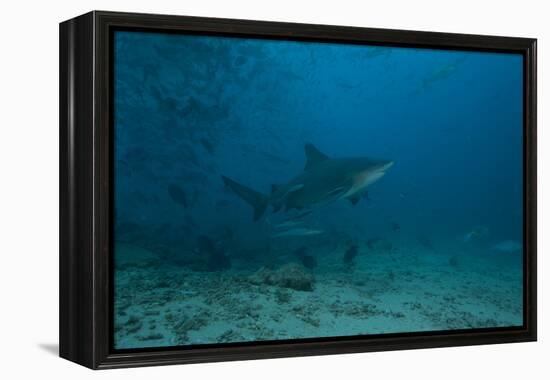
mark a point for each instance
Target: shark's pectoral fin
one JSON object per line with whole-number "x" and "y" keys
{"x": 354, "y": 199}
{"x": 313, "y": 156}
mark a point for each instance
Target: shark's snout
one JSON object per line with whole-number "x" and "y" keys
{"x": 387, "y": 165}
{"x": 369, "y": 176}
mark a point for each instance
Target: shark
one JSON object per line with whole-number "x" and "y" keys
{"x": 324, "y": 179}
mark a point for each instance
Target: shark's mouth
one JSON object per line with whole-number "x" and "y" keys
{"x": 366, "y": 178}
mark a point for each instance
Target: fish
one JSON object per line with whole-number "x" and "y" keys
{"x": 507, "y": 246}
{"x": 350, "y": 253}
{"x": 297, "y": 232}
{"x": 395, "y": 226}
{"x": 440, "y": 73}
{"x": 216, "y": 259}
{"x": 307, "y": 261}
{"x": 475, "y": 234}
{"x": 376, "y": 51}
{"x": 207, "y": 145}
{"x": 310, "y": 262}
{"x": 288, "y": 223}
{"x": 301, "y": 215}
{"x": 425, "y": 241}
{"x": 177, "y": 194}
{"x": 241, "y": 60}
{"x": 323, "y": 180}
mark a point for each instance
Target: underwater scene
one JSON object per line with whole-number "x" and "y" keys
{"x": 270, "y": 190}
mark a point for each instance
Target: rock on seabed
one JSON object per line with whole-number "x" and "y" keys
{"x": 292, "y": 276}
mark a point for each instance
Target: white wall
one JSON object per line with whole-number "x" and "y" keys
{"x": 29, "y": 187}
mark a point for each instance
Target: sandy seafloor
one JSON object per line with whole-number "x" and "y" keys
{"x": 405, "y": 290}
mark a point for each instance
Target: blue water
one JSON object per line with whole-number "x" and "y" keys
{"x": 434, "y": 244}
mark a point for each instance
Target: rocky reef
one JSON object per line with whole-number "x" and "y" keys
{"x": 292, "y": 276}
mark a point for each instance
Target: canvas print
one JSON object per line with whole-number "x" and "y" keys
{"x": 271, "y": 189}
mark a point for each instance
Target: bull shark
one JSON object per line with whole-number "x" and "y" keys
{"x": 324, "y": 179}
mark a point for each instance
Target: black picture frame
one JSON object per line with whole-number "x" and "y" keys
{"x": 86, "y": 189}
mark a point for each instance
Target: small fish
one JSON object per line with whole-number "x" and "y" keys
{"x": 439, "y": 74}
{"x": 207, "y": 145}
{"x": 298, "y": 232}
{"x": 310, "y": 262}
{"x": 508, "y": 246}
{"x": 476, "y": 234}
{"x": 177, "y": 194}
{"x": 350, "y": 253}
{"x": 289, "y": 223}
{"x": 425, "y": 241}
{"x": 216, "y": 259}
{"x": 395, "y": 226}
{"x": 300, "y": 215}
{"x": 241, "y": 60}
{"x": 376, "y": 51}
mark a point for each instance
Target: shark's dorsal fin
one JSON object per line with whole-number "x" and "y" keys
{"x": 313, "y": 156}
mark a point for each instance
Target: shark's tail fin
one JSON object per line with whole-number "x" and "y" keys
{"x": 255, "y": 199}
